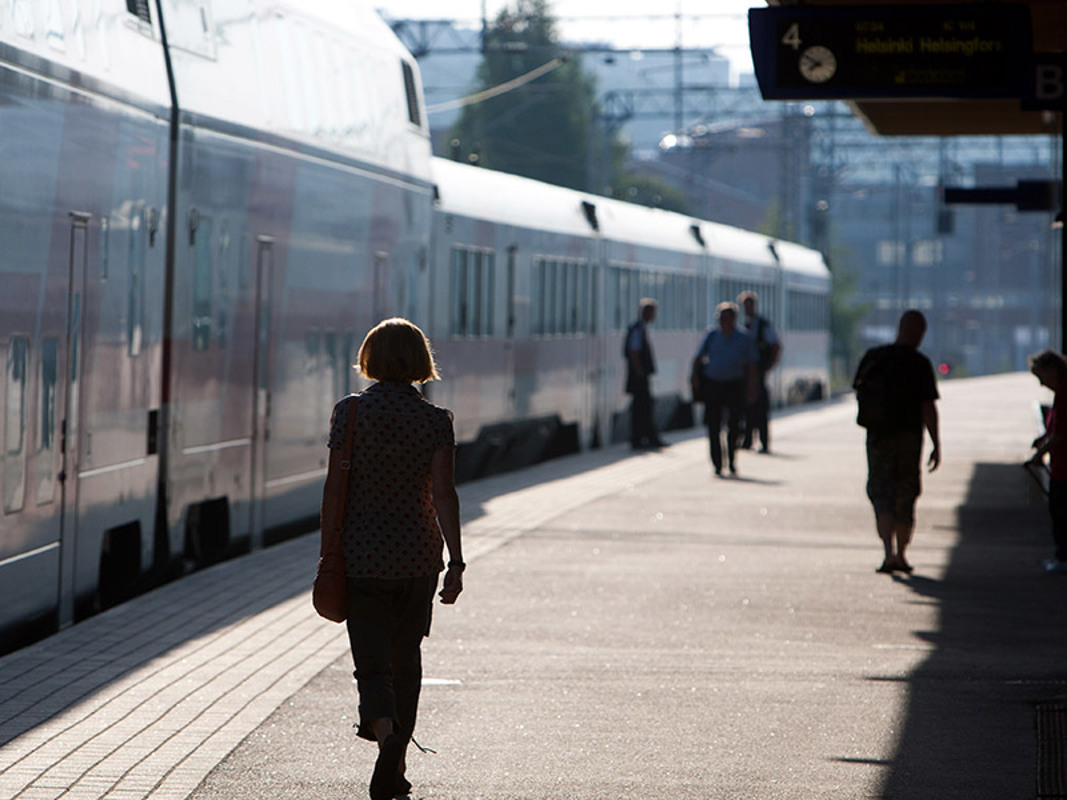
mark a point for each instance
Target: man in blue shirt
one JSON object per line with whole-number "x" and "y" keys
{"x": 725, "y": 377}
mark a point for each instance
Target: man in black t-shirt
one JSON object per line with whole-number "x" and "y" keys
{"x": 896, "y": 390}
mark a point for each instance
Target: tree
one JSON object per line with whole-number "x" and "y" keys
{"x": 649, "y": 190}
{"x": 542, "y": 129}
{"x": 845, "y": 317}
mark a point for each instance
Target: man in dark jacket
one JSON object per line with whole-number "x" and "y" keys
{"x": 896, "y": 390}
{"x": 757, "y": 415}
{"x": 640, "y": 365}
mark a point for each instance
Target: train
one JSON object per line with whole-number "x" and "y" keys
{"x": 208, "y": 202}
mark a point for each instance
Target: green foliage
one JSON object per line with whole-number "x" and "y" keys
{"x": 648, "y": 190}
{"x": 542, "y": 129}
{"x": 845, "y": 317}
{"x": 775, "y": 224}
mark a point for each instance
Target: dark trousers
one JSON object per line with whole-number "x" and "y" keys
{"x": 642, "y": 427}
{"x": 720, "y": 397}
{"x": 1057, "y": 506}
{"x": 387, "y": 620}
{"x": 757, "y": 418}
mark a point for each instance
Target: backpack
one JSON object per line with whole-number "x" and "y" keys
{"x": 764, "y": 348}
{"x": 878, "y": 390}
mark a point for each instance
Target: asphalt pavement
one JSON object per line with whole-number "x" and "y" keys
{"x": 632, "y": 627}
{"x": 677, "y": 635}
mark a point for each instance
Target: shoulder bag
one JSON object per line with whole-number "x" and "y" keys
{"x": 328, "y": 595}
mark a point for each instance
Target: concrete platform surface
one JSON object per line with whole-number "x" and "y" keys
{"x": 632, "y": 627}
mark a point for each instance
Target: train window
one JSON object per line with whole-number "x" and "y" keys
{"x": 457, "y": 304}
{"x": 475, "y": 309}
{"x": 18, "y": 353}
{"x": 411, "y": 91}
{"x": 556, "y": 308}
{"x": 537, "y": 298}
{"x": 488, "y": 293}
{"x": 471, "y": 292}
{"x": 55, "y": 35}
{"x": 592, "y": 319}
{"x": 510, "y": 321}
{"x": 203, "y": 283}
{"x": 46, "y": 421}
{"x": 807, "y": 311}
{"x": 581, "y": 298}
{"x": 140, "y": 9}
{"x": 561, "y": 297}
{"x": 566, "y": 298}
{"x": 612, "y": 301}
{"x": 22, "y": 13}
{"x": 190, "y": 26}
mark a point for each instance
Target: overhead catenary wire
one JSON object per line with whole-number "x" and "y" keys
{"x": 500, "y": 89}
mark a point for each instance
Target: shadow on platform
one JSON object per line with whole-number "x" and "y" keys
{"x": 998, "y": 652}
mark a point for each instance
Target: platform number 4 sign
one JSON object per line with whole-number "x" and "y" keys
{"x": 817, "y": 63}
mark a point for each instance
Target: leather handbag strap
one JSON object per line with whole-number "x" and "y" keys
{"x": 346, "y": 466}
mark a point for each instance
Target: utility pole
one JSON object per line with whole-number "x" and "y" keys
{"x": 678, "y": 120}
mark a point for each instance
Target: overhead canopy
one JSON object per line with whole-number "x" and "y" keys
{"x": 959, "y": 117}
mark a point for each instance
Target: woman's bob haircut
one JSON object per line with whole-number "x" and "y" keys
{"x": 396, "y": 351}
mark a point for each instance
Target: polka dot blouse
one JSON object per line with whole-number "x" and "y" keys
{"x": 390, "y": 525}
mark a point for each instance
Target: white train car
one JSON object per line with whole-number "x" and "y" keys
{"x": 542, "y": 283}
{"x": 82, "y": 262}
{"x": 301, "y": 218}
{"x": 206, "y": 205}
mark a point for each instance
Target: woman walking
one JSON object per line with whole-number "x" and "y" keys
{"x": 402, "y": 507}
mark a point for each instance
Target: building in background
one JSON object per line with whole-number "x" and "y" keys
{"x": 987, "y": 277}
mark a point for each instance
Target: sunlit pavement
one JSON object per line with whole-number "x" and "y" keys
{"x": 632, "y": 627}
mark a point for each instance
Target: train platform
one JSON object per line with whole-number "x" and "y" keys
{"x": 632, "y": 627}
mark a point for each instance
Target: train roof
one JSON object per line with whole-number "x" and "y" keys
{"x": 800, "y": 259}
{"x": 507, "y": 199}
{"x": 528, "y": 203}
{"x": 326, "y": 75}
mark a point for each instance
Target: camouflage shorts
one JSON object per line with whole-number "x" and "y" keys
{"x": 893, "y": 477}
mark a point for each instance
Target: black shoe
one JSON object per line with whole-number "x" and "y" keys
{"x": 383, "y": 783}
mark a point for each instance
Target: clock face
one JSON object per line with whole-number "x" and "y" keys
{"x": 817, "y": 64}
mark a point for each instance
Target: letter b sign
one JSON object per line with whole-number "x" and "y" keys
{"x": 1049, "y": 88}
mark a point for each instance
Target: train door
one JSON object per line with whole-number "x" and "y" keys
{"x": 262, "y": 382}
{"x": 70, "y": 426}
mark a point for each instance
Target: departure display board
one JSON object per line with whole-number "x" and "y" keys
{"x": 913, "y": 51}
